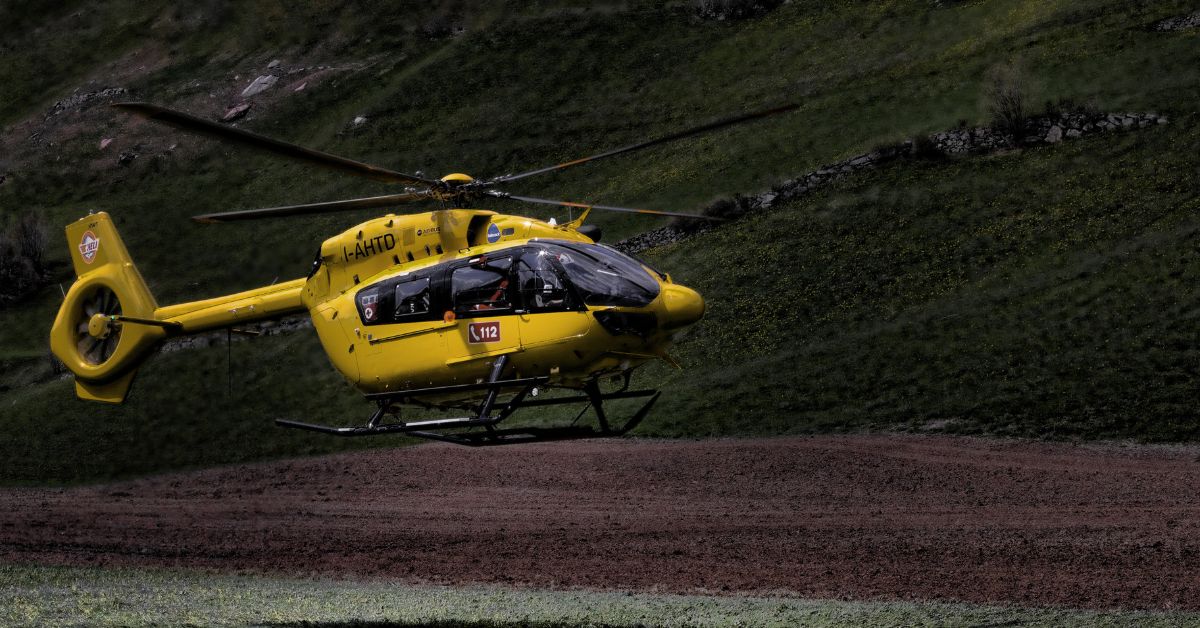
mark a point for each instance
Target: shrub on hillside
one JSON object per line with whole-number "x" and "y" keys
{"x": 22, "y": 257}
{"x": 441, "y": 26}
{"x": 1004, "y": 97}
{"x": 733, "y": 9}
{"x": 924, "y": 147}
{"x": 727, "y": 208}
{"x": 447, "y": 21}
{"x": 30, "y": 236}
{"x": 730, "y": 208}
{"x": 1066, "y": 106}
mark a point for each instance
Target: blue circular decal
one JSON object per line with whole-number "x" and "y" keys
{"x": 493, "y": 233}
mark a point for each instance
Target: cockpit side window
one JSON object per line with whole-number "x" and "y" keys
{"x": 404, "y": 299}
{"x": 412, "y": 299}
{"x": 482, "y": 287}
{"x": 541, "y": 285}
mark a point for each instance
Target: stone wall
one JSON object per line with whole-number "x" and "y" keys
{"x": 1180, "y": 23}
{"x": 961, "y": 142}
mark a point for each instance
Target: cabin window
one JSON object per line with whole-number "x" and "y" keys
{"x": 482, "y": 286}
{"x": 412, "y": 298}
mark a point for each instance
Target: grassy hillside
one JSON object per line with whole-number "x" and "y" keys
{"x": 1045, "y": 293}
{"x": 1041, "y": 292}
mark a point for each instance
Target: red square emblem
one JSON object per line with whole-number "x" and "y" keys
{"x": 483, "y": 332}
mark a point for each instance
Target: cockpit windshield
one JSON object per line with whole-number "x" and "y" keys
{"x": 604, "y": 276}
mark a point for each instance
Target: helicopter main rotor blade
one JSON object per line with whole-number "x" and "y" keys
{"x": 630, "y": 210}
{"x": 712, "y": 126}
{"x": 190, "y": 123}
{"x": 317, "y": 208}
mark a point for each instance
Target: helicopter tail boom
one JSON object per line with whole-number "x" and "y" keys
{"x": 250, "y": 306}
{"x": 109, "y": 321}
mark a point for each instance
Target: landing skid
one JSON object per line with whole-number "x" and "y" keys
{"x": 461, "y": 431}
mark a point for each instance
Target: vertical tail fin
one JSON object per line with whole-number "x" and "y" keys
{"x": 87, "y": 336}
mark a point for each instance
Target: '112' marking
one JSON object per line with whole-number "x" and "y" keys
{"x": 483, "y": 332}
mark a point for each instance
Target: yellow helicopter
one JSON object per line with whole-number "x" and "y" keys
{"x": 454, "y": 308}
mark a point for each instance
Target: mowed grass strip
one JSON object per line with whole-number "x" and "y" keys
{"x": 36, "y": 595}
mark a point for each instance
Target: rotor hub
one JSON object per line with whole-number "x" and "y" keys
{"x": 100, "y": 325}
{"x": 455, "y": 179}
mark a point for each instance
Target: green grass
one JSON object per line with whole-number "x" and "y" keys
{"x": 128, "y": 597}
{"x": 957, "y": 293}
{"x": 187, "y": 411}
{"x": 1046, "y": 292}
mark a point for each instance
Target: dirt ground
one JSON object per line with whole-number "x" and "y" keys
{"x": 863, "y": 517}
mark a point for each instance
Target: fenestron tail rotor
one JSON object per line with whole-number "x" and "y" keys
{"x": 96, "y": 338}
{"x": 454, "y": 190}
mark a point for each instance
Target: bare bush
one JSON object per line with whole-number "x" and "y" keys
{"x": 728, "y": 208}
{"x": 924, "y": 147}
{"x": 733, "y": 9}
{"x": 22, "y": 258}
{"x": 56, "y": 365}
{"x": 440, "y": 27}
{"x": 1066, "y": 106}
{"x": 1004, "y": 97}
{"x": 17, "y": 274}
{"x": 446, "y": 21}
{"x": 30, "y": 237}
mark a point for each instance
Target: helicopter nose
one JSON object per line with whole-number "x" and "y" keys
{"x": 684, "y": 306}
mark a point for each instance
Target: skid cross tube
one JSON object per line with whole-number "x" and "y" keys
{"x": 373, "y": 426}
{"x": 436, "y": 429}
{"x": 442, "y": 390}
{"x": 584, "y": 399}
{"x": 541, "y": 434}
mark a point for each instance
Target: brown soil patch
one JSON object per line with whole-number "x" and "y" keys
{"x": 886, "y": 517}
